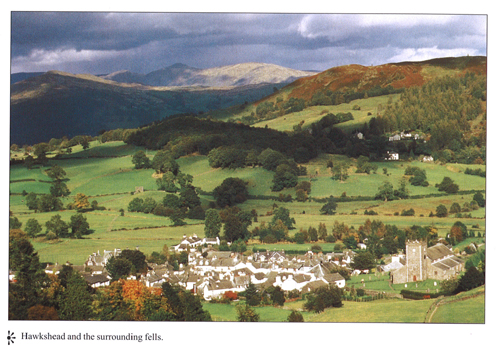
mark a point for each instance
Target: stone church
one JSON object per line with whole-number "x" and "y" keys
{"x": 437, "y": 262}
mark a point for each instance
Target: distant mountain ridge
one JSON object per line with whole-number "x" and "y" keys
{"x": 56, "y": 104}
{"x": 233, "y": 75}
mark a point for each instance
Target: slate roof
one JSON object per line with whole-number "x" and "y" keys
{"x": 333, "y": 277}
{"x": 438, "y": 251}
{"x": 448, "y": 263}
{"x": 300, "y": 278}
{"x": 313, "y": 286}
{"x": 93, "y": 279}
{"x": 217, "y": 284}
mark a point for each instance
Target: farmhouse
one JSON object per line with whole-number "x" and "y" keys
{"x": 437, "y": 262}
{"x": 96, "y": 259}
{"x": 193, "y": 242}
{"x": 392, "y": 156}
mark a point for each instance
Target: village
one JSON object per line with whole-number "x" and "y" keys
{"x": 211, "y": 273}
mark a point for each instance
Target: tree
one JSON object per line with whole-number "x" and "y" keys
{"x": 110, "y": 304}
{"x": 136, "y": 258}
{"x": 184, "y": 305}
{"x": 29, "y": 161}
{"x": 402, "y": 192}
{"x": 136, "y": 205}
{"x": 14, "y": 223}
{"x": 447, "y": 185}
{"x": 330, "y": 207}
{"x": 270, "y": 159}
{"x": 282, "y": 214}
{"x": 85, "y": 143}
{"x": 295, "y": 316}
{"x": 455, "y": 208}
{"x": 340, "y": 171}
{"x": 449, "y": 286}
{"x": 213, "y": 223}
{"x": 41, "y": 150}
{"x": 81, "y": 201}
{"x": 58, "y": 226}
{"x": 141, "y": 160}
{"x": 313, "y": 234}
{"x": 322, "y": 298}
{"x": 56, "y": 173}
{"x": 441, "y": 211}
{"x": 171, "y": 201}
{"x": 32, "y": 201}
{"x": 385, "y": 192}
{"x": 230, "y": 192}
{"x": 118, "y": 267}
{"x": 458, "y": 232}
{"x": 42, "y": 313}
{"x": 148, "y": 205}
{"x": 301, "y": 195}
{"x": 277, "y": 295}
{"x": 76, "y": 301}
{"x": 479, "y": 198}
{"x": 79, "y": 225}
{"x": 419, "y": 177}
{"x": 363, "y": 261}
{"x": 189, "y": 198}
{"x": 233, "y": 228}
{"x": 472, "y": 278}
{"x": 59, "y": 189}
{"x": 246, "y": 314}
{"x": 322, "y": 231}
{"x": 252, "y": 295}
{"x": 284, "y": 177}
{"x": 163, "y": 161}
{"x": 32, "y": 227}
{"x": 304, "y": 185}
{"x": 31, "y": 279}
{"x": 48, "y": 202}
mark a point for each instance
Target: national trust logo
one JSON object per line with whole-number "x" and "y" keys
{"x": 10, "y": 338}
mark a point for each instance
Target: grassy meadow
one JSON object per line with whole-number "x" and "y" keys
{"x": 105, "y": 173}
{"x": 468, "y": 308}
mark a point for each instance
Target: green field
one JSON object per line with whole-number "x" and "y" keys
{"x": 368, "y": 108}
{"x": 105, "y": 173}
{"x": 379, "y": 311}
{"x": 469, "y": 308}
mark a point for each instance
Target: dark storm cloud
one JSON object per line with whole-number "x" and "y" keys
{"x": 142, "y": 42}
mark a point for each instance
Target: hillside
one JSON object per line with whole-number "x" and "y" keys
{"x": 233, "y": 75}
{"x": 347, "y": 83}
{"x": 357, "y": 78}
{"x": 57, "y": 104}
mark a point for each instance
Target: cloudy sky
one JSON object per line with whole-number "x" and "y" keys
{"x": 103, "y": 42}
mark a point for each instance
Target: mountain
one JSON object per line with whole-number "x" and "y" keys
{"x": 57, "y": 104}
{"x": 16, "y": 77}
{"x": 233, "y": 75}
{"x": 357, "y": 78}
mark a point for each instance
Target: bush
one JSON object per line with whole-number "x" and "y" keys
{"x": 415, "y": 295}
{"x": 409, "y": 212}
{"x": 323, "y": 298}
{"x": 330, "y": 239}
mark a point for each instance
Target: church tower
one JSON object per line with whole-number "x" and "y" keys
{"x": 416, "y": 254}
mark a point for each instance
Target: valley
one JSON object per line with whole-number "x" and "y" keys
{"x": 348, "y": 152}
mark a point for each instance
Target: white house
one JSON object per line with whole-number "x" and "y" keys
{"x": 193, "y": 242}
{"x": 392, "y": 156}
